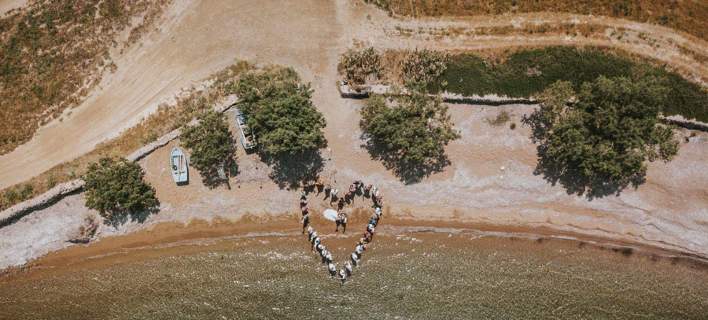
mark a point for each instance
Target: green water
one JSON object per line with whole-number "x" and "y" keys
{"x": 414, "y": 276}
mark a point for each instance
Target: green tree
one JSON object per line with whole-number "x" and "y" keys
{"x": 211, "y": 146}
{"x": 410, "y": 136}
{"x": 115, "y": 188}
{"x": 288, "y": 128}
{"x": 598, "y": 140}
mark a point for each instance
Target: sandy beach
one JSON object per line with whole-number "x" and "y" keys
{"x": 263, "y": 268}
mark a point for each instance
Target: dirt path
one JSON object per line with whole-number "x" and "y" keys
{"x": 7, "y": 5}
{"x": 490, "y": 180}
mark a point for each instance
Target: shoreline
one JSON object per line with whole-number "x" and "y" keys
{"x": 197, "y": 235}
{"x": 403, "y": 275}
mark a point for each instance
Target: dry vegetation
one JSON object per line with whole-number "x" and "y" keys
{"x": 689, "y": 16}
{"x": 53, "y": 52}
{"x": 166, "y": 119}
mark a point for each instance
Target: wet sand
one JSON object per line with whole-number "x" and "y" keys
{"x": 263, "y": 268}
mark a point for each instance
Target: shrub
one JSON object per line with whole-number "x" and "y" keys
{"x": 600, "y": 143}
{"x": 115, "y": 188}
{"x": 410, "y": 136}
{"x": 502, "y": 118}
{"x": 420, "y": 68}
{"x": 358, "y": 66}
{"x": 211, "y": 146}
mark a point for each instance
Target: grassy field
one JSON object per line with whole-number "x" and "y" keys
{"x": 689, "y": 16}
{"x": 526, "y": 72}
{"x": 53, "y": 52}
{"x": 403, "y": 276}
{"x": 166, "y": 119}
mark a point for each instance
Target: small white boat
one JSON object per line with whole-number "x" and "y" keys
{"x": 179, "y": 166}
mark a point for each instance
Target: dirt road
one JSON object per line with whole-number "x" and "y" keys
{"x": 490, "y": 179}
{"x": 7, "y": 5}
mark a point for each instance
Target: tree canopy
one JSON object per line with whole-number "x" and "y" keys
{"x": 211, "y": 146}
{"x": 597, "y": 141}
{"x": 115, "y": 188}
{"x": 286, "y": 124}
{"x": 279, "y": 111}
{"x": 410, "y": 135}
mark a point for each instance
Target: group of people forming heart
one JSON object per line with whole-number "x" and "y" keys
{"x": 356, "y": 188}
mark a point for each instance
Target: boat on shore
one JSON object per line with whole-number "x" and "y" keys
{"x": 179, "y": 166}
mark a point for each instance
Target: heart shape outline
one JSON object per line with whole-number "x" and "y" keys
{"x": 355, "y": 258}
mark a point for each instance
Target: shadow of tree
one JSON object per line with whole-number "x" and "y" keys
{"x": 574, "y": 181}
{"x": 215, "y": 176}
{"x": 119, "y": 218}
{"x": 407, "y": 171}
{"x": 571, "y": 175}
{"x": 295, "y": 170}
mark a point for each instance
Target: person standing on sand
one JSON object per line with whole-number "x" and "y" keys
{"x": 319, "y": 185}
{"x": 340, "y": 204}
{"x": 350, "y": 195}
{"x": 378, "y": 200}
{"x": 368, "y": 236}
{"x": 328, "y": 257}
{"x": 327, "y": 190}
{"x": 303, "y": 202}
{"x": 374, "y": 220}
{"x": 355, "y": 259}
{"x": 305, "y": 222}
{"x": 367, "y": 190}
{"x": 359, "y": 185}
{"x": 341, "y": 221}
{"x": 360, "y": 249}
{"x": 343, "y": 276}
{"x": 333, "y": 195}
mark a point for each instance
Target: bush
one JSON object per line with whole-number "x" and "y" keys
{"x": 410, "y": 137}
{"x": 115, "y": 188}
{"x": 600, "y": 143}
{"x": 358, "y": 66}
{"x": 287, "y": 126}
{"x": 502, "y": 118}
{"x": 420, "y": 68}
{"x": 211, "y": 146}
